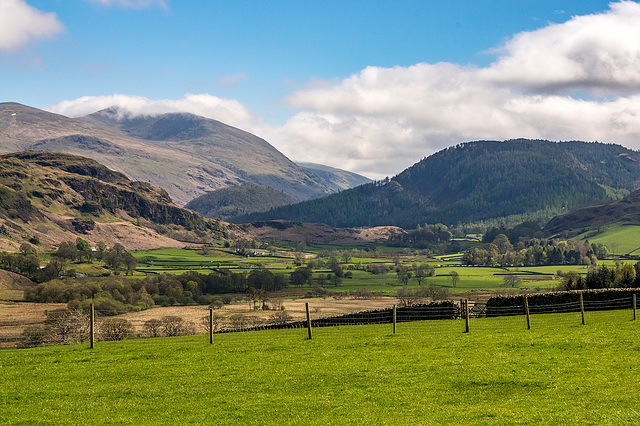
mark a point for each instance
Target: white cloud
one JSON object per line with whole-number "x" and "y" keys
{"x": 225, "y": 110}
{"x": 133, "y": 4}
{"x": 599, "y": 53}
{"x": 21, "y": 23}
{"x": 381, "y": 120}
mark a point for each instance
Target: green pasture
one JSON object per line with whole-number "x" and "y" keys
{"x": 429, "y": 373}
{"x": 178, "y": 261}
{"x": 620, "y": 238}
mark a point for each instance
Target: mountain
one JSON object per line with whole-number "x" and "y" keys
{"x": 238, "y": 200}
{"x": 185, "y": 154}
{"x": 480, "y": 181}
{"x": 48, "y": 198}
{"x": 336, "y": 179}
{"x": 625, "y": 210}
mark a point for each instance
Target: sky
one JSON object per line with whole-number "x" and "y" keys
{"x": 370, "y": 86}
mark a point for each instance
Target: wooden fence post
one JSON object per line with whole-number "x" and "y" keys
{"x": 466, "y": 315}
{"x": 92, "y": 327}
{"x": 308, "y": 319}
{"x": 211, "y": 326}
{"x": 394, "y": 319}
{"x": 582, "y": 307}
{"x": 526, "y": 311}
{"x": 634, "y": 307}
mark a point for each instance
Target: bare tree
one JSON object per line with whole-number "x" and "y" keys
{"x": 173, "y": 326}
{"x": 115, "y": 329}
{"x": 455, "y": 278}
{"x": 153, "y": 327}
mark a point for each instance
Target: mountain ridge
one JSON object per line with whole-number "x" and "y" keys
{"x": 186, "y": 154}
{"x": 479, "y": 181}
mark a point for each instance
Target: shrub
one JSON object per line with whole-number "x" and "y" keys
{"x": 153, "y": 327}
{"x": 32, "y": 336}
{"x": 115, "y": 329}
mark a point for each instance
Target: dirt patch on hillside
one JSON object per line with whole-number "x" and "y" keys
{"x": 131, "y": 236}
{"x": 317, "y": 233}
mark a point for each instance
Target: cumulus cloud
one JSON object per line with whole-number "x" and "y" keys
{"x": 381, "y": 120}
{"x": 21, "y": 23}
{"x": 599, "y": 52}
{"x": 133, "y": 4}
{"x": 225, "y": 110}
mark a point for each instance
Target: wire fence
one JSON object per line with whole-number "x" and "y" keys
{"x": 57, "y": 327}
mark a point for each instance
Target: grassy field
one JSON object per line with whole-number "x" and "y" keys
{"x": 560, "y": 372}
{"x": 177, "y": 261}
{"x": 619, "y": 238}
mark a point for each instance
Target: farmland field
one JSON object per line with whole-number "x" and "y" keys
{"x": 559, "y": 372}
{"x": 619, "y": 238}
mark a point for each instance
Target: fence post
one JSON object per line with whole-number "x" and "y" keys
{"x": 394, "y": 319}
{"x": 466, "y": 315}
{"x": 306, "y": 305}
{"x": 92, "y": 327}
{"x": 634, "y": 307}
{"x": 526, "y": 311}
{"x": 211, "y": 326}
{"x": 582, "y": 307}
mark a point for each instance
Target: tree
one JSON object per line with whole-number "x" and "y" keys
{"x": 27, "y": 249}
{"x": 334, "y": 265}
{"x": 300, "y": 276}
{"x": 206, "y": 322}
{"x": 502, "y": 243}
{"x": 455, "y": 278}
{"x": 173, "y": 326}
{"x": 84, "y": 249}
{"x": 130, "y": 262}
{"x": 153, "y": 327}
{"x": 405, "y": 296}
{"x": 113, "y": 259}
{"x": 511, "y": 280}
{"x": 280, "y": 317}
{"x": 364, "y": 293}
{"x": 115, "y": 328}
{"x": 67, "y": 250}
{"x": 67, "y": 326}
{"x": 404, "y": 275}
{"x": 420, "y": 272}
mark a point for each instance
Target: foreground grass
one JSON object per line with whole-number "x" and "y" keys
{"x": 560, "y": 372}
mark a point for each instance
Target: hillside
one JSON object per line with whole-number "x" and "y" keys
{"x": 185, "y": 154}
{"x": 479, "y": 181}
{"x": 626, "y": 210}
{"x": 336, "y": 179}
{"x": 238, "y": 200}
{"x": 47, "y": 198}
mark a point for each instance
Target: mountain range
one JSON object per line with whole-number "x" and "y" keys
{"x": 185, "y": 154}
{"x": 480, "y": 181}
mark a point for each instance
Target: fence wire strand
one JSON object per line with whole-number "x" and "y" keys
{"x": 72, "y": 327}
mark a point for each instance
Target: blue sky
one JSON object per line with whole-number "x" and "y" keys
{"x": 370, "y": 86}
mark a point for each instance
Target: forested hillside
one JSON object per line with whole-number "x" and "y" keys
{"x": 479, "y": 181}
{"x": 237, "y": 200}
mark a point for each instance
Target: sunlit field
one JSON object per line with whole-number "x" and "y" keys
{"x": 559, "y": 372}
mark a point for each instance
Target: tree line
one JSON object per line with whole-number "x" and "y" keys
{"x": 622, "y": 275}
{"x": 534, "y": 251}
